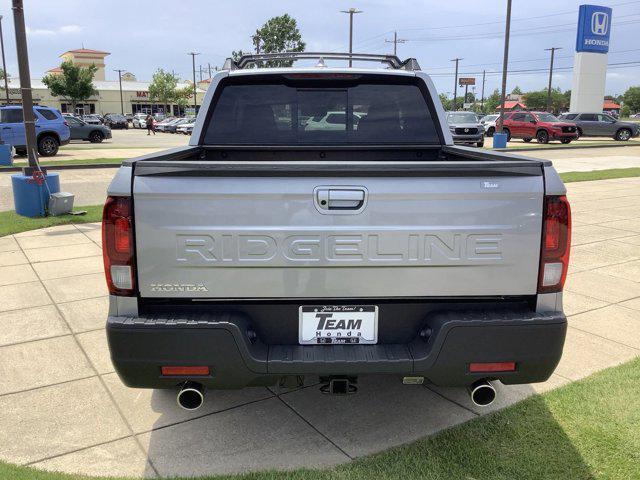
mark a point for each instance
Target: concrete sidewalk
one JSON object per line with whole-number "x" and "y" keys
{"x": 65, "y": 409}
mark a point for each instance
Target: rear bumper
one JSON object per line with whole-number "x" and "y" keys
{"x": 140, "y": 346}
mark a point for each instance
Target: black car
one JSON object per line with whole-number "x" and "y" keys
{"x": 115, "y": 120}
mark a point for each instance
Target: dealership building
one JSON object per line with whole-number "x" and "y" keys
{"x": 135, "y": 94}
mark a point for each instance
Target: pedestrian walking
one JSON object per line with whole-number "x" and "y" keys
{"x": 149, "y": 122}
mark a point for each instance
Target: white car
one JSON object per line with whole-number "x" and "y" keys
{"x": 489, "y": 124}
{"x": 186, "y": 128}
{"x": 332, "y": 121}
{"x": 139, "y": 120}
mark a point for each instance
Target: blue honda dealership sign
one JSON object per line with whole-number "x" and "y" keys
{"x": 594, "y": 29}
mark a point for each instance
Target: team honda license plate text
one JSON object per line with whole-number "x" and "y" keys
{"x": 331, "y": 324}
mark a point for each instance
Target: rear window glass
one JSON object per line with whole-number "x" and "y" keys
{"x": 284, "y": 114}
{"x": 48, "y": 114}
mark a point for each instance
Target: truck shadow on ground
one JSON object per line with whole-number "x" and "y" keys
{"x": 256, "y": 429}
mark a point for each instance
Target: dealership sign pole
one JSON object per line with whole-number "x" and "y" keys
{"x": 590, "y": 62}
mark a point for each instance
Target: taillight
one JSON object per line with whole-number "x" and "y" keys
{"x": 556, "y": 243}
{"x": 117, "y": 246}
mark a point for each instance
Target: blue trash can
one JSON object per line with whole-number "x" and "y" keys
{"x": 499, "y": 140}
{"x": 29, "y": 198}
{"x": 5, "y": 155}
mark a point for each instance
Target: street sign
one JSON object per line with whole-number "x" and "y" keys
{"x": 594, "y": 29}
{"x": 462, "y": 81}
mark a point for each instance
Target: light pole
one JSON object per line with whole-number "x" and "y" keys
{"x": 455, "y": 84}
{"x": 505, "y": 61}
{"x": 553, "y": 51}
{"x": 351, "y": 12}
{"x": 25, "y": 83}
{"x": 120, "y": 80}
{"x": 193, "y": 61}
{"x": 4, "y": 64}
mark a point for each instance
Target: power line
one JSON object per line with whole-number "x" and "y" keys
{"x": 500, "y": 22}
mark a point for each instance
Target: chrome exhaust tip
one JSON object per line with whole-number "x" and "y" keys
{"x": 191, "y": 396}
{"x": 482, "y": 393}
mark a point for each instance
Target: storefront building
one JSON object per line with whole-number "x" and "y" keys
{"x": 135, "y": 94}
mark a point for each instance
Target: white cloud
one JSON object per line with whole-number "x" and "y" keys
{"x": 64, "y": 29}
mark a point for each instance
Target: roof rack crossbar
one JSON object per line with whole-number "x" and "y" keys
{"x": 392, "y": 61}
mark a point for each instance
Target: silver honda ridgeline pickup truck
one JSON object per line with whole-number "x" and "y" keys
{"x": 267, "y": 251}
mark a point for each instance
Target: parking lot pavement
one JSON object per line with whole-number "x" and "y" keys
{"x": 90, "y": 185}
{"x": 65, "y": 409}
{"x": 587, "y": 159}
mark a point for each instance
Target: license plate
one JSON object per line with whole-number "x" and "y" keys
{"x": 343, "y": 324}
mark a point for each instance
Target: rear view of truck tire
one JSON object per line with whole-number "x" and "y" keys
{"x": 322, "y": 223}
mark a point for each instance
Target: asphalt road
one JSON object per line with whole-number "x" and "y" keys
{"x": 90, "y": 185}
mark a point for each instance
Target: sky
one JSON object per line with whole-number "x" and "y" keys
{"x": 149, "y": 34}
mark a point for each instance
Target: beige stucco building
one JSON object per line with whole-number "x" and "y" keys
{"x": 135, "y": 94}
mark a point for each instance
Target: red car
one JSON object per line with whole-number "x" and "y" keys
{"x": 542, "y": 126}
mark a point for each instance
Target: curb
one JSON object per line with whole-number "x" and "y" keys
{"x": 572, "y": 147}
{"x": 66, "y": 167}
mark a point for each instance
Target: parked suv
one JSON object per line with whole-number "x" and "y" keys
{"x": 602, "y": 125}
{"x": 266, "y": 251}
{"x": 81, "y": 130}
{"x": 465, "y": 128}
{"x": 51, "y": 129}
{"x": 542, "y": 126}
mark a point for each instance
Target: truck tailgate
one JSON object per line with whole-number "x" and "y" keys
{"x": 239, "y": 235}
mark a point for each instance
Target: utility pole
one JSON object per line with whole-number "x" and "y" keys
{"x": 351, "y": 12}
{"x": 553, "y": 51}
{"x": 395, "y": 42}
{"x": 25, "y": 82}
{"x": 193, "y": 61}
{"x": 4, "y": 64}
{"x": 120, "y": 80}
{"x": 209, "y": 65}
{"x": 455, "y": 85}
{"x": 505, "y": 62}
{"x": 482, "y": 101}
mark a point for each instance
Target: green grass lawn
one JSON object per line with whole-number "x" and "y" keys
{"x": 11, "y": 222}
{"x": 611, "y": 173}
{"x": 584, "y": 431}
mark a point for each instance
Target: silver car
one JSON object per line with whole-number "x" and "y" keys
{"x": 602, "y": 125}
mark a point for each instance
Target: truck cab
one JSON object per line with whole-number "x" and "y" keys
{"x": 266, "y": 251}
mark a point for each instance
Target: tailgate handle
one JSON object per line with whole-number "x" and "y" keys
{"x": 340, "y": 198}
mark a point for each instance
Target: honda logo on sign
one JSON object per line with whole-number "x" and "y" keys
{"x": 599, "y": 23}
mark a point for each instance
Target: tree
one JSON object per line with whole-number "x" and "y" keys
{"x": 74, "y": 84}
{"x": 164, "y": 88}
{"x": 516, "y": 91}
{"x": 632, "y": 99}
{"x": 538, "y": 100}
{"x": 446, "y": 103}
{"x": 625, "y": 111}
{"x": 492, "y": 102}
{"x": 280, "y": 34}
